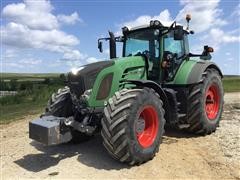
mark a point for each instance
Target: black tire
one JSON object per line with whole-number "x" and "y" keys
{"x": 119, "y": 123}
{"x": 201, "y": 121}
{"x": 60, "y": 105}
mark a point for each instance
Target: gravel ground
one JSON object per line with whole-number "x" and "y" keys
{"x": 181, "y": 155}
{"x": 228, "y": 134}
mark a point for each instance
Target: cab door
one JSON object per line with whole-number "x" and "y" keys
{"x": 174, "y": 52}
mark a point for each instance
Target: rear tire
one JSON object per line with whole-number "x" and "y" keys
{"x": 133, "y": 125}
{"x": 205, "y": 104}
{"x": 60, "y": 105}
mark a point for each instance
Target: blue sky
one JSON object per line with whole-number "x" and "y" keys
{"x": 39, "y": 36}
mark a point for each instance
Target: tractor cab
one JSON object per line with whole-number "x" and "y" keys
{"x": 164, "y": 47}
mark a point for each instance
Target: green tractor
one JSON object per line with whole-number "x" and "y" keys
{"x": 130, "y": 99}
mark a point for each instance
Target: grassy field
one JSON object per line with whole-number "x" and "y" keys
{"x": 25, "y": 103}
{"x": 35, "y": 89}
{"x": 231, "y": 83}
{"x": 23, "y": 76}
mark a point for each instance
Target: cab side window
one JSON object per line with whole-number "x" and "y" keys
{"x": 177, "y": 50}
{"x": 174, "y": 46}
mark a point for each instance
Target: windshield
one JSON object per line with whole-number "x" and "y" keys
{"x": 140, "y": 42}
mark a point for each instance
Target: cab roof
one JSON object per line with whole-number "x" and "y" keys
{"x": 147, "y": 25}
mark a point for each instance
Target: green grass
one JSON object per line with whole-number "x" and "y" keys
{"x": 15, "y": 112}
{"x": 28, "y": 75}
{"x": 25, "y": 103}
{"x": 30, "y": 100}
{"x": 231, "y": 84}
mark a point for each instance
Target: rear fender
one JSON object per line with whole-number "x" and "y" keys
{"x": 195, "y": 76}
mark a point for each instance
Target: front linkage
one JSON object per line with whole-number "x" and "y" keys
{"x": 65, "y": 118}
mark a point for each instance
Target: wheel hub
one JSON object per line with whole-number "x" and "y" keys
{"x": 212, "y": 102}
{"x": 146, "y": 126}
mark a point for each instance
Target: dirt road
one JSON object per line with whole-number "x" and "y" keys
{"x": 181, "y": 155}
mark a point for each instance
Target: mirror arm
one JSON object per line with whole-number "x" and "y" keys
{"x": 202, "y": 56}
{"x": 194, "y": 55}
{"x": 105, "y": 39}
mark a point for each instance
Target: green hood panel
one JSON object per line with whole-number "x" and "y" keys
{"x": 123, "y": 68}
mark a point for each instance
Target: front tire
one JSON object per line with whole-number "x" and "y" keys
{"x": 205, "y": 104}
{"x": 60, "y": 105}
{"x": 133, "y": 125}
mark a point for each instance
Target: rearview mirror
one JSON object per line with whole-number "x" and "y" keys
{"x": 100, "y": 46}
{"x": 206, "y": 53}
{"x": 178, "y": 33}
{"x": 209, "y": 49}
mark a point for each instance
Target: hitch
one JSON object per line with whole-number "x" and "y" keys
{"x": 80, "y": 126}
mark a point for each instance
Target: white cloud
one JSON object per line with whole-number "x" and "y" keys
{"x": 33, "y": 14}
{"x": 74, "y": 55}
{"x": 205, "y": 14}
{"x": 91, "y": 59}
{"x": 22, "y": 63}
{"x": 9, "y": 54}
{"x": 30, "y": 61}
{"x": 73, "y": 64}
{"x": 12, "y": 64}
{"x": 207, "y": 20}
{"x": 217, "y": 37}
{"x": 19, "y": 35}
{"x": 32, "y": 24}
{"x": 227, "y": 53}
{"x": 164, "y": 16}
{"x": 71, "y": 19}
{"x": 75, "y": 58}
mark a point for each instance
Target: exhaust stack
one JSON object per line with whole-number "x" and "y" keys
{"x": 112, "y": 45}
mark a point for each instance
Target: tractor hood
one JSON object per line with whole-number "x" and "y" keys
{"x": 83, "y": 78}
{"x": 104, "y": 76}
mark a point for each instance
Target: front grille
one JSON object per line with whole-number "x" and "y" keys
{"x": 76, "y": 84}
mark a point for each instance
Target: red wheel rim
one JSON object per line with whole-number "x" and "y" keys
{"x": 212, "y": 102}
{"x": 147, "y": 126}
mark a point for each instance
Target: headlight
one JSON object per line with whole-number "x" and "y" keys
{"x": 75, "y": 70}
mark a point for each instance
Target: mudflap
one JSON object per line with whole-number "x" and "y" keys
{"x": 48, "y": 130}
